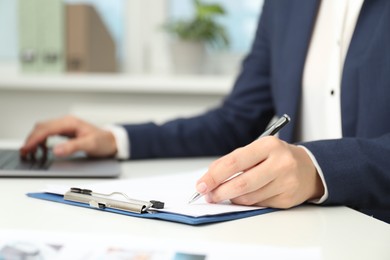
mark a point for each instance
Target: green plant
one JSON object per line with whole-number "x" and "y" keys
{"x": 203, "y": 27}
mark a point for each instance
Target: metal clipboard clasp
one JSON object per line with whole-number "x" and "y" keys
{"x": 103, "y": 201}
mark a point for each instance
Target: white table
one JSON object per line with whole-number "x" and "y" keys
{"x": 339, "y": 232}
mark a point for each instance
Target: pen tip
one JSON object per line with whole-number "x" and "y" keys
{"x": 194, "y": 197}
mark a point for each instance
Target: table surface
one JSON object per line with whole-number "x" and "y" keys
{"x": 338, "y": 232}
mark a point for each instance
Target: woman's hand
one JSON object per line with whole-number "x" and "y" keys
{"x": 83, "y": 137}
{"x": 273, "y": 174}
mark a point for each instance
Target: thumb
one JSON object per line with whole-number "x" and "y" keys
{"x": 70, "y": 147}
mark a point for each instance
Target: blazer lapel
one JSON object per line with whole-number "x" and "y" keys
{"x": 294, "y": 49}
{"x": 361, "y": 69}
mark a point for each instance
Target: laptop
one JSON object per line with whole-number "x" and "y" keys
{"x": 76, "y": 166}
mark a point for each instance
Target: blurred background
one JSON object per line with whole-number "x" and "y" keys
{"x": 119, "y": 60}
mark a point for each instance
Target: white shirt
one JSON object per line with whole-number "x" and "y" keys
{"x": 320, "y": 110}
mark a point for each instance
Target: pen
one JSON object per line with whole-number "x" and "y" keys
{"x": 273, "y": 129}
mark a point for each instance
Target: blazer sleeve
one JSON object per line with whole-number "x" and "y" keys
{"x": 356, "y": 171}
{"x": 242, "y": 116}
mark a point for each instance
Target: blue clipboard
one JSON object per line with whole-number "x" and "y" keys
{"x": 173, "y": 217}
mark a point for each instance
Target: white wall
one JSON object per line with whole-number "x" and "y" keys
{"x": 24, "y": 101}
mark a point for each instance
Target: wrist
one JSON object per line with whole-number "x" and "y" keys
{"x": 320, "y": 190}
{"x": 318, "y": 186}
{"x": 113, "y": 149}
{"x": 121, "y": 141}
{"x": 310, "y": 180}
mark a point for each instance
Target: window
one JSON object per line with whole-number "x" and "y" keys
{"x": 240, "y": 21}
{"x": 134, "y": 25}
{"x": 8, "y": 31}
{"x": 112, "y": 13}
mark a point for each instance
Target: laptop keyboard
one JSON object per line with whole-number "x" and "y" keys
{"x": 10, "y": 160}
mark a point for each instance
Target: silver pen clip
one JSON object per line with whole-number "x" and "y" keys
{"x": 103, "y": 201}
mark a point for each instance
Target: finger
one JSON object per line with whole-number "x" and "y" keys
{"x": 286, "y": 198}
{"x": 248, "y": 182}
{"x": 280, "y": 193}
{"x": 28, "y": 155}
{"x": 43, "y": 130}
{"x": 44, "y": 151}
{"x": 88, "y": 144}
{"x": 237, "y": 161}
{"x": 72, "y": 146}
{"x": 260, "y": 196}
{"x": 279, "y": 201}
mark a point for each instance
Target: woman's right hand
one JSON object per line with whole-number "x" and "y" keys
{"x": 92, "y": 140}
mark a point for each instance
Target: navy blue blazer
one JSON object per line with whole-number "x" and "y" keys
{"x": 356, "y": 167}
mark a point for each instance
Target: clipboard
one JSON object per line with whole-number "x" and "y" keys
{"x": 150, "y": 212}
{"x": 170, "y": 190}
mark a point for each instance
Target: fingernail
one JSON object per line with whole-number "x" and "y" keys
{"x": 201, "y": 187}
{"x": 58, "y": 150}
